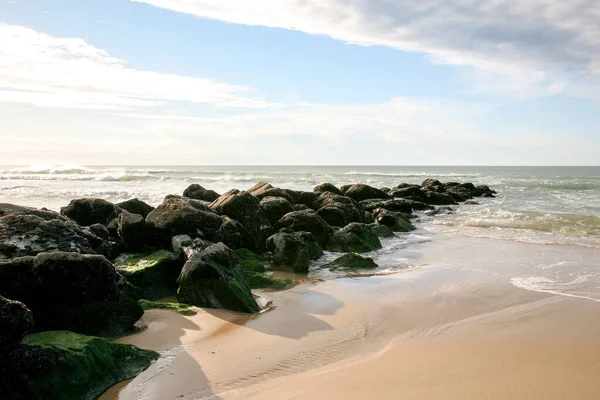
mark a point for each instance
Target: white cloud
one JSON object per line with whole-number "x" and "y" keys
{"x": 530, "y": 47}
{"x": 40, "y": 69}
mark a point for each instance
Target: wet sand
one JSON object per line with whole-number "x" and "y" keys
{"x": 437, "y": 331}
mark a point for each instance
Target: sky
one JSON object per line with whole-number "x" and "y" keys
{"x": 300, "y": 82}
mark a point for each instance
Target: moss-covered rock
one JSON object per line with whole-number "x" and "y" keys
{"x": 306, "y": 221}
{"x": 290, "y": 252}
{"x": 356, "y": 238}
{"x": 255, "y": 268}
{"x": 382, "y": 231}
{"x": 67, "y": 366}
{"x": 213, "y": 278}
{"x": 181, "y": 308}
{"x": 154, "y": 273}
{"x": 352, "y": 261}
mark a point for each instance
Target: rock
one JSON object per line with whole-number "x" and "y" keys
{"x": 22, "y": 235}
{"x": 391, "y": 205}
{"x": 458, "y": 193}
{"x": 439, "y": 199}
{"x": 412, "y": 192}
{"x": 338, "y": 210}
{"x": 290, "y": 252}
{"x": 314, "y": 249}
{"x": 197, "y": 192}
{"x": 213, "y": 278}
{"x": 352, "y": 261}
{"x": 244, "y": 208}
{"x": 100, "y": 231}
{"x": 483, "y": 191}
{"x": 418, "y": 205}
{"x": 360, "y": 192}
{"x": 468, "y": 185}
{"x": 440, "y": 210}
{"x": 45, "y": 214}
{"x": 199, "y": 205}
{"x": 327, "y": 187}
{"x": 301, "y": 207}
{"x": 382, "y": 231}
{"x": 15, "y": 322}
{"x": 471, "y": 203}
{"x": 155, "y": 273}
{"x": 113, "y": 228}
{"x": 262, "y": 190}
{"x": 396, "y": 222}
{"x": 431, "y": 182}
{"x": 132, "y": 230}
{"x": 136, "y": 206}
{"x": 235, "y": 235}
{"x": 69, "y": 291}
{"x": 178, "y": 217}
{"x": 254, "y": 267}
{"x": 356, "y": 238}
{"x": 306, "y": 221}
{"x": 89, "y": 211}
{"x": 273, "y": 208}
{"x": 184, "y": 246}
{"x": 307, "y": 199}
{"x": 64, "y": 365}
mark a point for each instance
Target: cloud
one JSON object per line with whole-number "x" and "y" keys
{"x": 40, "y": 69}
{"x": 534, "y": 47}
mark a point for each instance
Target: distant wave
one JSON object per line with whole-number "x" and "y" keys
{"x": 411, "y": 175}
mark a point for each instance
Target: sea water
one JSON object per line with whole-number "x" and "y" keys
{"x": 554, "y": 210}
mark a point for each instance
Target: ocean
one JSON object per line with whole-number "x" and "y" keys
{"x": 550, "y": 215}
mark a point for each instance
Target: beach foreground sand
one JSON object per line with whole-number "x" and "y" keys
{"x": 433, "y": 332}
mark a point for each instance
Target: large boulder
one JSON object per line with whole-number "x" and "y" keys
{"x": 360, "y": 192}
{"x": 70, "y": 291}
{"x": 459, "y": 193}
{"x": 136, "y": 206}
{"x": 197, "y": 192}
{"x": 327, "y": 187}
{"x": 291, "y": 251}
{"x": 306, "y": 221}
{"x": 356, "y": 238}
{"x": 89, "y": 211}
{"x": 255, "y": 266}
{"x": 395, "y": 205}
{"x": 396, "y": 222}
{"x": 262, "y": 190}
{"x": 15, "y": 322}
{"x": 235, "y": 235}
{"x": 338, "y": 210}
{"x": 59, "y": 365}
{"x": 43, "y": 213}
{"x": 155, "y": 273}
{"x": 307, "y": 199}
{"x": 413, "y": 192}
{"x": 23, "y": 235}
{"x": 273, "y": 208}
{"x": 351, "y": 261}
{"x": 178, "y": 217}
{"x": 213, "y": 279}
{"x": 132, "y": 230}
{"x": 439, "y": 199}
{"x": 431, "y": 182}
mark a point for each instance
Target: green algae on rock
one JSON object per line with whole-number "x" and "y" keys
{"x": 68, "y": 366}
{"x": 155, "y": 273}
{"x": 254, "y": 266}
{"x": 355, "y": 238}
{"x": 181, "y": 308}
{"x": 352, "y": 261}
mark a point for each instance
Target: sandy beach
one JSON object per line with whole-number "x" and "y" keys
{"x": 435, "y": 331}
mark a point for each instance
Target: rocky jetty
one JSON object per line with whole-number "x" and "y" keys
{"x": 69, "y": 279}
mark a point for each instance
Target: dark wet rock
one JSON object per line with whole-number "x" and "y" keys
{"x": 418, "y": 205}
{"x": 136, "y": 206}
{"x": 100, "y": 231}
{"x": 301, "y": 207}
{"x": 451, "y": 184}
{"x": 255, "y": 269}
{"x": 23, "y": 235}
{"x": 262, "y": 190}
{"x": 290, "y": 252}
{"x": 306, "y": 221}
{"x": 360, "y": 192}
{"x": 90, "y": 211}
{"x": 352, "y": 261}
{"x": 385, "y": 189}
{"x": 235, "y": 235}
{"x": 132, "y": 230}
{"x": 178, "y": 217}
{"x": 431, "y": 182}
{"x": 314, "y": 249}
{"x": 185, "y": 246}
{"x": 395, "y": 205}
{"x": 64, "y": 365}
{"x": 458, "y": 193}
{"x": 381, "y": 231}
{"x": 43, "y": 213}
{"x": 412, "y": 191}
{"x": 113, "y": 228}
{"x": 308, "y": 199}
{"x": 439, "y": 210}
{"x": 471, "y": 203}
{"x": 197, "y": 192}
{"x": 434, "y": 188}
{"x": 69, "y": 291}
{"x": 327, "y": 187}
{"x": 483, "y": 191}
{"x": 338, "y": 210}
{"x": 439, "y": 199}
{"x": 199, "y": 205}
{"x": 213, "y": 278}
{"x": 154, "y": 273}
{"x": 273, "y": 208}
{"x": 468, "y": 185}
{"x": 356, "y": 238}
{"x": 395, "y": 221}
{"x": 16, "y": 321}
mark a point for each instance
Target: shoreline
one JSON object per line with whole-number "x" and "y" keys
{"x": 333, "y": 334}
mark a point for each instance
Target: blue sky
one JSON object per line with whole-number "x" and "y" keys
{"x": 300, "y": 82}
